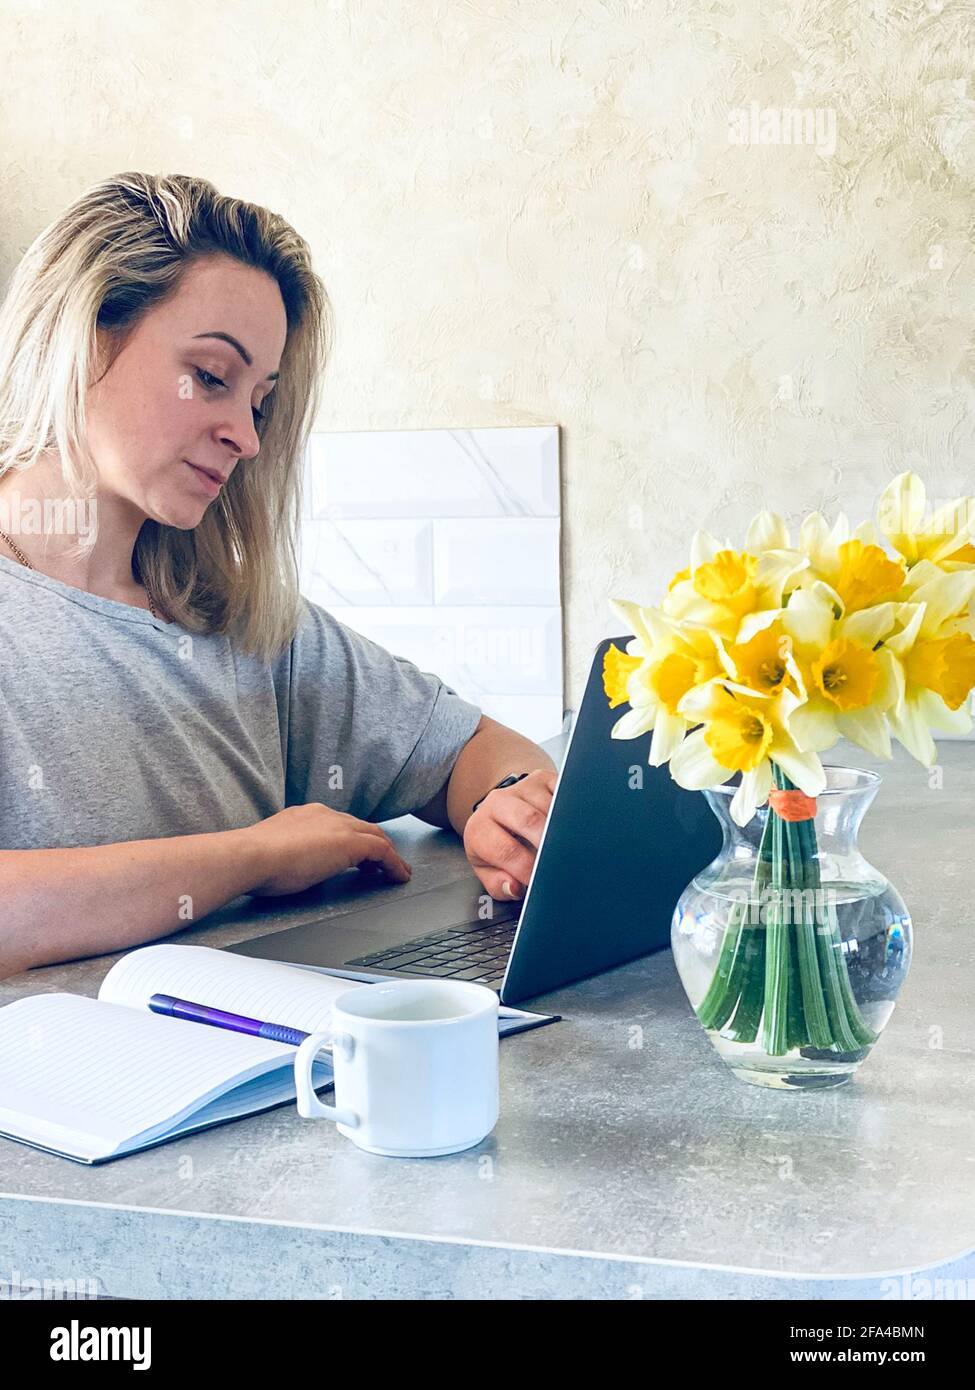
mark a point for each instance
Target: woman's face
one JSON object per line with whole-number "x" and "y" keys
{"x": 177, "y": 400}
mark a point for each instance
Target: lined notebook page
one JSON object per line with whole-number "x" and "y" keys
{"x": 83, "y": 1074}
{"x": 264, "y": 989}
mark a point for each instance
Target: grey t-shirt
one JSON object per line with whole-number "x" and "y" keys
{"x": 116, "y": 726}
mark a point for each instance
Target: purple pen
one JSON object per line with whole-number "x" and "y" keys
{"x": 218, "y": 1018}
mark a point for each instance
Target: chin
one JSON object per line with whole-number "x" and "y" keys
{"x": 181, "y": 515}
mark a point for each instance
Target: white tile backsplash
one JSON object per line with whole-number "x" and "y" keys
{"x": 443, "y": 547}
{"x": 434, "y": 473}
{"x": 535, "y": 716}
{"x": 478, "y": 651}
{"x": 510, "y": 560}
{"x": 368, "y": 562}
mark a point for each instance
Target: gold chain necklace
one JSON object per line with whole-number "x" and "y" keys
{"x": 24, "y": 561}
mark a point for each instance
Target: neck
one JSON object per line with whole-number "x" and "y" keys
{"x": 47, "y": 524}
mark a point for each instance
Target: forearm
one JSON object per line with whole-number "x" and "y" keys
{"x": 492, "y": 753}
{"x": 61, "y": 904}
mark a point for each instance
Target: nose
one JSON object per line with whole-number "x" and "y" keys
{"x": 242, "y": 439}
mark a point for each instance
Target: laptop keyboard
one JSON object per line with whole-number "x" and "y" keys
{"x": 476, "y": 951}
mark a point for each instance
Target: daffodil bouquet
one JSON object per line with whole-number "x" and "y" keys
{"x": 759, "y": 659}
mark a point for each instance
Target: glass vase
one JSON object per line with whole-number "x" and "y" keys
{"x": 791, "y": 947}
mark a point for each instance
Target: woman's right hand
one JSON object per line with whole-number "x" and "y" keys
{"x": 303, "y": 845}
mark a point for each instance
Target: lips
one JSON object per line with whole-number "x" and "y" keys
{"x": 208, "y": 479}
{"x": 220, "y": 478}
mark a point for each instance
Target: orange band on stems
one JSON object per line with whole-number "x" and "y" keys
{"x": 792, "y": 805}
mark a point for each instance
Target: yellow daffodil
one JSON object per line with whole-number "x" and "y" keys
{"x": 848, "y": 684}
{"x": 764, "y": 661}
{"x": 945, "y": 538}
{"x": 855, "y": 567}
{"x": 723, "y": 584}
{"x": 662, "y": 662}
{"x": 770, "y": 653}
{"x": 744, "y": 731}
{"x": 935, "y": 664}
{"x": 617, "y": 669}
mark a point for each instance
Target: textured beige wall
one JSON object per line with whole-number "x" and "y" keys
{"x": 529, "y": 213}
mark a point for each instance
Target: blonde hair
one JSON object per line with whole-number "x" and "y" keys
{"x": 117, "y": 251}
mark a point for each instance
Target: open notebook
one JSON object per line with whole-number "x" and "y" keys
{"x": 93, "y": 1079}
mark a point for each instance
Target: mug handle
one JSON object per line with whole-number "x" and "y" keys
{"x": 309, "y": 1106}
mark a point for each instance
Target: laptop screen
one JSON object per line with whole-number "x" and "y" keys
{"x": 621, "y": 843}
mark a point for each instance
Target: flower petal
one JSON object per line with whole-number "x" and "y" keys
{"x": 868, "y": 625}
{"x": 752, "y": 793}
{"x": 767, "y": 531}
{"x": 900, "y": 506}
{"x": 804, "y": 769}
{"x": 633, "y": 616}
{"x": 814, "y": 538}
{"x": 775, "y": 568}
{"x": 634, "y": 722}
{"x": 754, "y": 623}
{"x": 956, "y": 523}
{"x": 944, "y": 597}
{"x": 868, "y": 728}
{"x": 703, "y": 549}
{"x": 668, "y": 733}
{"x": 908, "y": 725}
{"x": 890, "y": 687}
{"x": 693, "y": 765}
{"x": 808, "y": 618}
{"x": 812, "y": 726}
{"x": 937, "y": 715}
{"x": 912, "y": 616}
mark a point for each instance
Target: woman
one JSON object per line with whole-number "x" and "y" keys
{"x": 177, "y": 724}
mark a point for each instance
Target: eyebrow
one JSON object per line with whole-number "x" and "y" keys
{"x": 272, "y": 376}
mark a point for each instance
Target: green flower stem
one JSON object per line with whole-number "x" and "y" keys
{"x": 849, "y": 1030}
{"x": 739, "y": 950}
{"x": 748, "y": 1014}
{"x": 804, "y": 875}
{"x": 724, "y": 991}
{"x": 788, "y": 976}
{"x": 751, "y": 990}
{"x": 775, "y": 1017}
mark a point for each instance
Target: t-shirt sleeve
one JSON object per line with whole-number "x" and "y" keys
{"x": 367, "y": 732}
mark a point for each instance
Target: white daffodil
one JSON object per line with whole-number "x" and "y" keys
{"x": 662, "y": 662}
{"x": 743, "y": 731}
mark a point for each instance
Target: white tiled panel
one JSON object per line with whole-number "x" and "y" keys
{"x": 367, "y": 562}
{"x": 427, "y": 473}
{"x": 478, "y": 651}
{"x": 443, "y": 546}
{"x": 511, "y": 560}
{"x": 538, "y": 717}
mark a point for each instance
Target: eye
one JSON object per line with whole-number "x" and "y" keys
{"x": 201, "y": 373}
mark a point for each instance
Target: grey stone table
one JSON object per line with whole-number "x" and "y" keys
{"x": 615, "y": 1170}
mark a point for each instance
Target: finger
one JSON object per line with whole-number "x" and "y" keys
{"x": 490, "y": 846}
{"x": 523, "y": 815}
{"x": 501, "y": 885}
{"x": 365, "y": 827}
{"x": 536, "y": 788}
{"x": 377, "y": 853}
{"x": 545, "y": 777}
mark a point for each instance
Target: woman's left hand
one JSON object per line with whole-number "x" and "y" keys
{"x": 503, "y": 834}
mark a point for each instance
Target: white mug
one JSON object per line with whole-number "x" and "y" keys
{"x": 416, "y": 1067}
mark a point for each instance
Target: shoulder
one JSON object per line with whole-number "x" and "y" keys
{"x": 323, "y": 645}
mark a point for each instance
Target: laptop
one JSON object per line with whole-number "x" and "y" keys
{"x": 620, "y": 843}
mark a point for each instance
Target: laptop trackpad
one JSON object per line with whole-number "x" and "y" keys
{"x": 376, "y": 926}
